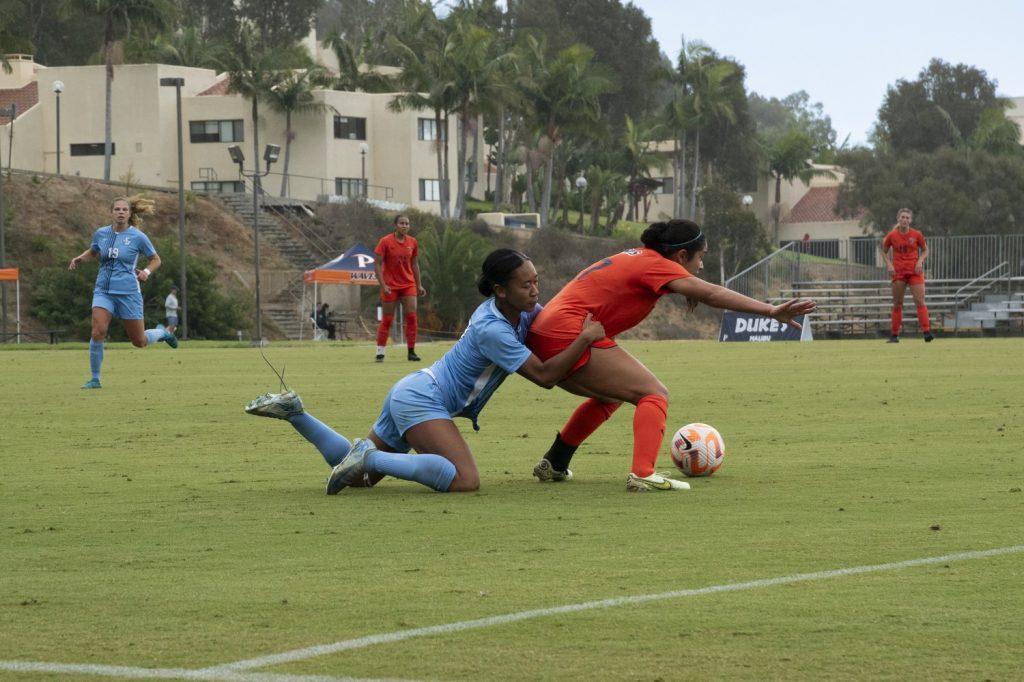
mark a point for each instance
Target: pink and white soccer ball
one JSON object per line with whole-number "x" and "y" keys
{"x": 697, "y": 449}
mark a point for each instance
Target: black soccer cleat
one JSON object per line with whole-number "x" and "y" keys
{"x": 928, "y": 338}
{"x": 380, "y": 357}
{"x": 412, "y": 356}
{"x": 893, "y": 339}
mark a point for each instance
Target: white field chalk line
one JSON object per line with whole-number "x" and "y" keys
{"x": 387, "y": 638}
{"x": 232, "y": 672}
{"x": 161, "y": 673}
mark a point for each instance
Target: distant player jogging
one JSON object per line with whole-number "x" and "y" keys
{"x": 419, "y": 409}
{"x": 398, "y": 272}
{"x": 906, "y": 267}
{"x": 621, "y": 291}
{"x": 117, "y": 292}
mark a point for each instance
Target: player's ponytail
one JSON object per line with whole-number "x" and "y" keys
{"x": 138, "y": 206}
{"x": 674, "y": 235}
{"x": 498, "y": 268}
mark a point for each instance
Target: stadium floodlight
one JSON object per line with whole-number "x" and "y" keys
{"x": 177, "y": 84}
{"x": 236, "y": 155}
{"x": 271, "y": 154}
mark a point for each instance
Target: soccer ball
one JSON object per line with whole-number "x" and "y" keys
{"x": 697, "y": 449}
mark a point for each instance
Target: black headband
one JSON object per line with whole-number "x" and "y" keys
{"x": 682, "y": 244}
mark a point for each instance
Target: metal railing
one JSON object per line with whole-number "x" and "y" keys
{"x": 983, "y": 282}
{"x": 859, "y": 259}
{"x": 311, "y": 186}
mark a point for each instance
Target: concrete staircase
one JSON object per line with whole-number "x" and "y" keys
{"x": 285, "y": 307}
{"x": 993, "y": 312}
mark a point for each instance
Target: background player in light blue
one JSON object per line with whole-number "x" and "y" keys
{"x": 117, "y": 293}
{"x": 419, "y": 409}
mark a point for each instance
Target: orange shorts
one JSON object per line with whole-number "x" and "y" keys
{"x": 403, "y": 292}
{"x": 908, "y": 277}
{"x": 545, "y": 348}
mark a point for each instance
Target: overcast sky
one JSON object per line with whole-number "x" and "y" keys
{"x": 844, "y": 54}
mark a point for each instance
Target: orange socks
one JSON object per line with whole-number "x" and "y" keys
{"x": 897, "y": 320}
{"x": 383, "y": 328}
{"x": 585, "y": 420}
{"x": 648, "y": 432}
{"x": 410, "y": 330}
{"x": 922, "y": 318}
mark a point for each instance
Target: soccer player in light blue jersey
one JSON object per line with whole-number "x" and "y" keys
{"x": 419, "y": 409}
{"x": 117, "y": 293}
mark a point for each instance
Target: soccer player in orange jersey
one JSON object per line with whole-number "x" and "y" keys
{"x": 621, "y": 291}
{"x": 398, "y": 272}
{"x": 906, "y": 267}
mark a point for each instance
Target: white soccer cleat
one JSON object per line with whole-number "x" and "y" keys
{"x": 545, "y": 472}
{"x": 352, "y": 469}
{"x": 276, "y": 405}
{"x": 637, "y": 484}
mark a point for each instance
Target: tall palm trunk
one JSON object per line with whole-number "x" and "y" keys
{"x": 460, "y": 155}
{"x": 531, "y": 194}
{"x": 696, "y": 176}
{"x": 545, "y": 200}
{"x": 285, "y": 189}
{"x": 776, "y": 211}
{"x": 499, "y": 178}
{"x": 679, "y": 168}
{"x": 108, "y": 49}
{"x": 440, "y": 141}
{"x": 446, "y": 205}
{"x": 474, "y": 156}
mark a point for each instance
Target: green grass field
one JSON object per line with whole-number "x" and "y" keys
{"x": 153, "y": 524}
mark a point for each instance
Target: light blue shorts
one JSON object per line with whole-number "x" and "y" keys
{"x": 172, "y": 320}
{"x": 413, "y": 400}
{"x": 121, "y": 306}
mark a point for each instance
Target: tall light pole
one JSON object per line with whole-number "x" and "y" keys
{"x": 58, "y": 87}
{"x": 270, "y": 155}
{"x": 177, "y": 83}
{"x": 581, "y": 185}
{"x": 10, "y": 112}
{"x": 363, "y": 148}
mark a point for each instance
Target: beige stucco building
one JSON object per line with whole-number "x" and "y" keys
{"x": 327, "y": 152}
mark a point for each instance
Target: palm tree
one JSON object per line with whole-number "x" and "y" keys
{"x": 788, "y": 156}
{"x": 354, "y": 72}
{"x": 293, "y": 94}
{"x": 419, "y": 45}
{"x": 564, "y": 95}
{"x": 119, "y": 17}
{"x": 709, "y": 102}
{"x": 449, "y": 259}
{"x": 640, "y": 157}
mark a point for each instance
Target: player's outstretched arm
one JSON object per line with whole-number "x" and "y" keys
{"x": 547, "y": 374}
{"x": 83, "y": 257}
{"x": 720, "y": 297}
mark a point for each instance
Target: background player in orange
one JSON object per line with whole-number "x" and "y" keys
{"x": 906, "y": 266}
{"x": 621, "y": 291}
{"x": 398, "y": 271}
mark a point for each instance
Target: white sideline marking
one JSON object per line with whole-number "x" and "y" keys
{"x": 160, "y": 673}
{"x": 387, "y": 638}
{"x": 234, "y": 672}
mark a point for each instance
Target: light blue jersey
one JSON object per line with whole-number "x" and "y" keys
{"x": 118, "y": 253}
{"x": 489, "y": 350}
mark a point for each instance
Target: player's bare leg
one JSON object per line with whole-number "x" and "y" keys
{"x": 899, "y": 290}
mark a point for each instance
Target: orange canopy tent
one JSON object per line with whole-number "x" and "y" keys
{"x": 11, "y": 275}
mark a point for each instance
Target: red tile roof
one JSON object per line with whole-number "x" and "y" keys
{"x": 818, "y": 206}
{"x": 25, "y": 98}
{"x": 218, "y": 88}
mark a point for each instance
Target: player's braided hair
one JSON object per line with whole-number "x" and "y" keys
{"x": 673, "y": 235}
{"x": 138, "y": 205}
{"x": 498, "y": 268}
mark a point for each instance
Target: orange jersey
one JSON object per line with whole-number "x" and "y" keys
{"x": 396, "y": 260}
{"x": 619, "y": 291}
{"x": 904, "y": 248}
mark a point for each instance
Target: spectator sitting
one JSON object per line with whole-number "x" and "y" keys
{"x": 323, "y": 321}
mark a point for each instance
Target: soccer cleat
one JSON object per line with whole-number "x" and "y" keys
{"x": 170, "y": 339}
{"x": 636, "y": 484}
{"x": 545, "y": 472}
{"x": 92, "y": 383}
{"x": 380, "y": 357}
{"x": 893, "y": 339}
{"x": 352, "y": 469}
{"x": 276, "y": 405}
{"x": 928, "y": 337}
{"x": 412, "y": 356}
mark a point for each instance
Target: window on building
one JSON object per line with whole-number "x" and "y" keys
{"x": 426, "y": 129}
{"x": 91, "y": 149}
{"x": 216, "y": 131}
{"x": 668, "y": 186}
{"x": 218, "y": 187}
{"x": 430, "y": 190}
{"x": 350, "y": 187}
{"x": 349, "y": 128}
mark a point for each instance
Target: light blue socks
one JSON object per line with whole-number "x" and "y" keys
{"x": 154, "y": 335}
{"x": 433, "y": 471}
{"x": 95, "y": 358}
{"x": 332, "y": 445}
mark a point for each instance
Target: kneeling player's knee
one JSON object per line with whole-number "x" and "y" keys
{"x": 139, "y": 343}
{"x": 465, "y": 482}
